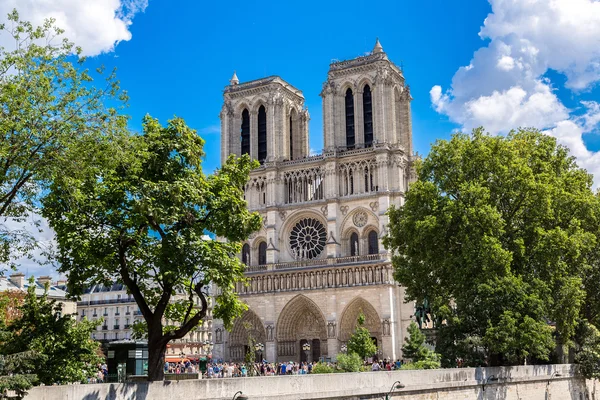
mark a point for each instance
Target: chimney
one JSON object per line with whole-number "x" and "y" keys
{"x": 18, "y": 279}
{"x": 42, "y": 280}
{"x": 61, "y": 282}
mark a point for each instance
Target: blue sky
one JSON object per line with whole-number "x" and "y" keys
{"x": 500, "y": 64}
{"x": 180, "y": 58}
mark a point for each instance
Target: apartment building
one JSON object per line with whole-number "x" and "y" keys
{"x": 119, "y": 312}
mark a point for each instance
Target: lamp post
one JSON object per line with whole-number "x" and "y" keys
{"x": 557, "y": 374}
{"x": 239, "y": 396}
{"x": 395, "y": 385}
{"x": 259, "y": 347}
{"x": 306, "y": 348}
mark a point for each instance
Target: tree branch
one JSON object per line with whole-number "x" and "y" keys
{"x": 186, "y": 327}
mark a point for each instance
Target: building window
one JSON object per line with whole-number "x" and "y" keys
{"x": 368, "y": 116}
{"x": 354, "y": 244}
{"x": 245, "y": 132}
{"x": 373, "y": 243}
{"x": 262, "y": 253}
{"x": 291, "y": 139}
{"x": 350, "y": 140}
{"x": 246, "y": 254}
{"x": 262, "y": 134}
{"x": 307, "y": 239}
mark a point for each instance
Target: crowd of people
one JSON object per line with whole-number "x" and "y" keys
{"x": 222, "y": 369}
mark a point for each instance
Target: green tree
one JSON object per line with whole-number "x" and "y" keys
{"x": 498, "y": 233}
{"x": 361, "y": 342}
{"x": 350, "y": 362}
{"x": 416, "y": 350}
{"x": 49, "y": 111}
{"x": 142, "y": 220}
{"x": 588, "y": 353}
{"x": 63, "y": 349}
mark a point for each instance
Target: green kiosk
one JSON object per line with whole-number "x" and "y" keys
{"x": 125, "y": 359}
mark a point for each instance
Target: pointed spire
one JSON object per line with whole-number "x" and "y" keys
{"x": 377, "y": 48}
{"x": 234, "y": 79}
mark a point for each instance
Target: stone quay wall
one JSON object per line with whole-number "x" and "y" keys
{"x": 532, "y": 382}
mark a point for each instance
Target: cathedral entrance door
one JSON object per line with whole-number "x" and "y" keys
{"x": 316, "y": 349}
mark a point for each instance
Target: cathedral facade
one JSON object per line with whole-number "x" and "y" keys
{"x": 318, "y": 260}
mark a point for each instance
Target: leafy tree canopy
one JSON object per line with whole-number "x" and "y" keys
{"x": 499, "y": 234}
{"x": 141, "y": 220}
{"x": 43, "y": 345}
{"x": 416, "y": 350}
{"x": 361, "y": 342}
{"x": 49, "y": 110}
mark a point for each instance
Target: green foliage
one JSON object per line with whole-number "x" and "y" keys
{"x": 322, "y": 368}
{"x": 50, "y": 115}
{"x": 416, "y": 350}
{"x": 500, "y": 234}
{"x": 350, "y": 362}
{"x": 249, "y": 357}
{"x": 588, "y": 355}
{"x": 141, "y": 218}
{"x": 361, "y": 342}
{"x": 62, "y": 348}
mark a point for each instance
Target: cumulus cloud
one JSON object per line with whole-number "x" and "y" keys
{"x": 504, "y": 86}
{"x": 95, "y": 25}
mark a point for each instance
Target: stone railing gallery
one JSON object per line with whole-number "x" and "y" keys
{"x": 317, "y": 274}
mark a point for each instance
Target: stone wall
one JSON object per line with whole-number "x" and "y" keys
{"x": 513, "y": 383}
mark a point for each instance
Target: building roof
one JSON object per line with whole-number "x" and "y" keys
{"x": 53, "y": 291}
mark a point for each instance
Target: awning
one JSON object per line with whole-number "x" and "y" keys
{"x": 176, "y": 359}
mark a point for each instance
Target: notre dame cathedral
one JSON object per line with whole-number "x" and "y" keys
{"x": 318, "y": 260}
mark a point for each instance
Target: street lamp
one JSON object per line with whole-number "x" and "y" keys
{"x": 396, "y": 385}
{"x": 306, "y": 348}
{"x": 558, "y": 375}
{"x": 259, "y": 347}
{"x": 239, "y": 396}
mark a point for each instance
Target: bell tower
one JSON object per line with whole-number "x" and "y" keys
{"x": 366, "y": 101}
{"x": 264, "y": 118}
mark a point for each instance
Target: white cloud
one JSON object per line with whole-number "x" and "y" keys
{"x": 504, "y": 87}
{"x": 95, "y": 25}
{"x": 36, "y": 262}
{"x": 210, "y": 130}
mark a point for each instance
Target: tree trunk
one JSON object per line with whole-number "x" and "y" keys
{"x": 157, "y": 348}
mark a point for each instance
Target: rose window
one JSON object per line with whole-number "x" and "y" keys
{"x": 307, "y": 238}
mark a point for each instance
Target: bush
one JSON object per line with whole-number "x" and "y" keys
{"x": 322, "y": 368}
{"x": 350, "y": 362}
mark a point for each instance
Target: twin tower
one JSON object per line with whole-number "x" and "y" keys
{"x": 365, "y": 102}
{"x": 318, "y": 260}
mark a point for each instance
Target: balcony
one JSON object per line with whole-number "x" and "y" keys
{"x": 127, "y": 312}
{"x": 95, "y": 315}
{"x": 117, "y": 314}
{"x": 126, "y": 326}
{"x": 117, "y": 327}
{"x": 105, "y": 314}
{"x": 137, "y": 313}
{"x": 104, "y": 327}
{"x": 316, "y": 263}
{"x": 100, "y": 302}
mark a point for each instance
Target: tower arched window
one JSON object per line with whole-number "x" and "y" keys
{"x": 350, "y": 139}
{"x": 373, "y": 243}
{"x": 262, "y": 134}
{"x": 262, "y": 253}
{"x": 368, "y": 116}
{"x": 291, "y": 139}
{"x": 246, "y": 254}
{"x": 354, "y": 244}
{"x": 245, "y": 131}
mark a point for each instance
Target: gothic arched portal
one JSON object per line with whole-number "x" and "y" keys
{"x": 301, "y": 321}
{"x": 350, "y": 315}
{"x": 248, "y": 326}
